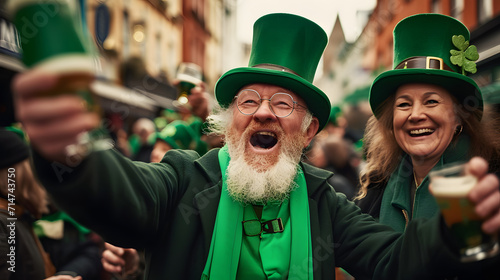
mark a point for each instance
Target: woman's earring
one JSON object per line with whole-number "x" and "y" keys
{"x": 458, "y": 130}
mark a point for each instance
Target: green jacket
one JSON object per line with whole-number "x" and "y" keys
{"x": 169, "y": 209}
{"x": 391, "y": 203}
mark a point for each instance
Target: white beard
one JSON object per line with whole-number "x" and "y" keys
{"x": 262, "y": 179}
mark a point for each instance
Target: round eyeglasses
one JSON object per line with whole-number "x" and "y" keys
{"x": 281, "y": 104}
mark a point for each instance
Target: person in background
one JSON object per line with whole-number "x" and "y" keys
{"x": 23, "y": 198}
{"x": 118, "y": 134}
{"x": 122, "y": 263}
{"x": 73, "y": 249}
{"x": 176, "y": 135}
{"x": 250, "y": 210}
{"x": 330, "y": 151}
{"x": 142, "y": 139}
{"x": 316, "y": 156}
{"x": 28, "y": 202}
{"x": 427, "y": 113}
{"x": 200, "y": 104}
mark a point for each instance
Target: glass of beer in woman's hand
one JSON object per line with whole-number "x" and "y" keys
{"x": 450, "y": 186}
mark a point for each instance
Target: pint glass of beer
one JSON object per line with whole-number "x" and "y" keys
{"x": 188, "y": 75}
{"x": 53, "y": 40}
{"x": 450, "y": 186}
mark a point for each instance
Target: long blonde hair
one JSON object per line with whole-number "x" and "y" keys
{"x": 383, "y": 152}
{"x": 28, "y": 192}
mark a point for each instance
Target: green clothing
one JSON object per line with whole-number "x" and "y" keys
{"x": 397, "y": 209}
{"x": 250, "y": 251}
{"x": 228, "y": 259}
{"x": 169, "y": 209}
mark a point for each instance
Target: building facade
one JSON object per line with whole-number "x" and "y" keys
{"x": 149, "y": 29}
{"x": 142, "y": 42}
{"x": 350, "y": 67}
{"x": 472, "y": 13}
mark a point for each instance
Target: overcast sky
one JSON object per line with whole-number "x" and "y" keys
{"x": 323, "y": 12}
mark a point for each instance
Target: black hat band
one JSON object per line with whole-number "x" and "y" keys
{"x": 424, "y": 62}
{"x": 275, "y": 67}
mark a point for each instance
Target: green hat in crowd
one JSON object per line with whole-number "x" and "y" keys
{"x": 179, "y": 135}
{"x": 334, "y": 114}
{"x": 286, "y": 50}
{"x": 434, "y": 49}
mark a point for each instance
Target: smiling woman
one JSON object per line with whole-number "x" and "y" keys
{"x": 427, "y": 113}
{"x": 424, "y": 123}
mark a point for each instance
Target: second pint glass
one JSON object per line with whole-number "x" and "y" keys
{"x": 53, "y": 40}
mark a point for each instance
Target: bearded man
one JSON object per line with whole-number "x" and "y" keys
{"x": 250, "y": 210}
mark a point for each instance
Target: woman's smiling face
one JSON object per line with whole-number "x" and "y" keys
{"x": 424, "y": 120}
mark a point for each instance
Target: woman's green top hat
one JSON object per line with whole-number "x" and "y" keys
{"x": 434, "y": 49}
{"x": 286, "y": 50}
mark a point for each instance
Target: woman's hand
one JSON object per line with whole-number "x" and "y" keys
{"x": 485, "y": 195}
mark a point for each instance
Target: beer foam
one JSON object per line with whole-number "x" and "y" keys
{"x": 67, "y": 63}
{"x": 13, "y": 6}
{"x": 453, "y": 186}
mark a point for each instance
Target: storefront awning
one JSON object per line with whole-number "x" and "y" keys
{"x": 124, "y": 95}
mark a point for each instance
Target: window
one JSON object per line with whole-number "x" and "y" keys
{"x": 158, "y": 50}
{"x": 126, "y": 35}
{"x": 457, "y": 8}
{"x": 484, "y": 10}
{"x": 436, "y": 7}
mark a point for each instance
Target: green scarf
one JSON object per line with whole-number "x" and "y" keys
{"x": 396, "y": 196}
{"x": 46, "y": 225}
{"x": 225, "y": 248}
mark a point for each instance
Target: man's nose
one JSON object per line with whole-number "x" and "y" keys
{"x": 264, "y": 112}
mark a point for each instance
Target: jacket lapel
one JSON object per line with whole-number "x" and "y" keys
{"x": 316, "y": 180}
{"x": 206, "y": 201}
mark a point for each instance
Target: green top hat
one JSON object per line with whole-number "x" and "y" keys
{"x": 179, "y": 135}
{"x": 285, "y": 52}
{"x": 434, "y": 49}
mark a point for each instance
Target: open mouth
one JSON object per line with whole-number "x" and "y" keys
{"x": 421, "y": 132}
{"x": 264, "y": 139}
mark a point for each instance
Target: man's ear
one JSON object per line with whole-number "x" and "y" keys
{"x": 311, "y": 131}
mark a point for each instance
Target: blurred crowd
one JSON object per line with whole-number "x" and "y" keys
{"x": 63, "y": 249}
{"x": 51, "y": 245}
